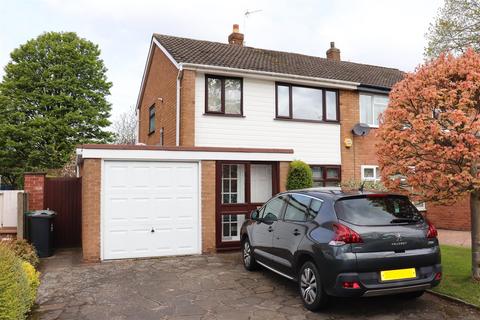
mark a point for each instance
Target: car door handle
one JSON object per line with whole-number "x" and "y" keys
{"x": 296, "y": 232}
{"x": 270, "y": 229}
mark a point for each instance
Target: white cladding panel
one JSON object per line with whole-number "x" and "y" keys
{"x": 314, "y": 143}
{"x": 150, "y": 209}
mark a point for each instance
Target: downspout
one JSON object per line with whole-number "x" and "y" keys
{"x": 137, "y": 131}
{"x": 179, "y": 82}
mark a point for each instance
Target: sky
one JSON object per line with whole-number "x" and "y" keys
{"x": 388, "y": 33}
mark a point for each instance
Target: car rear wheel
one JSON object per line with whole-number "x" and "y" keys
{"x": 249, "y": 261}
{"x": 310, "y": 287}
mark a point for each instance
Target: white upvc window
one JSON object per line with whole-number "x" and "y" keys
{"x": 371, "y": 107}
{"x": 370, "y": 173}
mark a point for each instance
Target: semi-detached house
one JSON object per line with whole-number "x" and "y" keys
{"x": 218, "y": 124}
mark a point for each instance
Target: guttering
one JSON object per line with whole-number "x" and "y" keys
{"x": 177, "y": 118}
{"x": 277, "y": 76}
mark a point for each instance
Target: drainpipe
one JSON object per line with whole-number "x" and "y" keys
{"x": 137, "y": 129}
{"x": 179, "y": 81}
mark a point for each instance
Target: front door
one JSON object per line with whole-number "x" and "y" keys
{"x": 241, "y": 186}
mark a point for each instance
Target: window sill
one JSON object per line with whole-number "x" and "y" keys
{"x": 308, "y": 121}
{"x": 224, "y": 115}
{"x": 151, "y": 132}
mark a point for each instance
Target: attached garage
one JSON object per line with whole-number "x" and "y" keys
{"x": 150, "y": 201}
{"x": 151, "y": 208}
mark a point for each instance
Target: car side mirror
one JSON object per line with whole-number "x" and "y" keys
{"x": 254, "y": 215}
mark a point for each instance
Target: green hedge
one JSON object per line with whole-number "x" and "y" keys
{"x": 300, "y": 175}
{"x": 14, "y": 287}
{"x": 19, "y": 280}
{"x": 24, "y": 251}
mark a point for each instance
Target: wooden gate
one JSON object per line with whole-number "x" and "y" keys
{"x": 64, "y": 195}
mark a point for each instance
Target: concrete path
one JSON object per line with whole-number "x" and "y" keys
{"x": 203, "y": 287}
{"x": 454, "y": 238}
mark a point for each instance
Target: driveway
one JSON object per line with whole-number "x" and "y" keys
{"x": 202, "y": 287}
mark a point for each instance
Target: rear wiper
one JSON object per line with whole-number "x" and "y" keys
{"x": 404, "y": 220}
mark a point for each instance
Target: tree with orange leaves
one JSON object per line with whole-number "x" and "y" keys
{"x": 430, "y": 136}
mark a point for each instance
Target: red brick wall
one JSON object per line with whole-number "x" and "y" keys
{"x": 454, "y": 217}
{"x": 187, "y": 109}
{"x": 34, "y": 185}
{"x": 362, "y": 152}
{"x": 160, "y": 82}
{"x": 208, "y": 206}
{"x": 91, "y": 178}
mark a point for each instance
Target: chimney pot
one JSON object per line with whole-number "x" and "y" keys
{"x": 236, "y": 37}
{"x": 333, "y": 53}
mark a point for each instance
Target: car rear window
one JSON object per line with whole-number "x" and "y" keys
{"x": 375, "y": 210}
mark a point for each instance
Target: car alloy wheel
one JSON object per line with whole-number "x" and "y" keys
{"x": 308, "y": 285}
{"x": 247, "y": 254}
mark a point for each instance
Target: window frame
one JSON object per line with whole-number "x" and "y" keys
{"x": 290, "y": 103}
{"x": 375, "y": 168}
{"x": 222, "y": 96}
{"x": 324, "y": 173}
{"x": 150, "y": 116}
{"x": 372, "y": 95}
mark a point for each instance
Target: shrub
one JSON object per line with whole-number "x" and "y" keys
{"x": 299, "y": 175}
{"x": 24, "y": 251}
{"x": 14, "y": 288}
{"x": 33, "y": 277}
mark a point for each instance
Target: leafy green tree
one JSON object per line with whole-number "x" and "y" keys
{"x": 52, "y": 97}
{"x": 456, "y": 28}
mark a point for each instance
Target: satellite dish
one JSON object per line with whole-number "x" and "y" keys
{"x": 361, "y": 129}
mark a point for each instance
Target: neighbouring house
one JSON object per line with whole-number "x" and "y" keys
{"x": 218, "y": 124}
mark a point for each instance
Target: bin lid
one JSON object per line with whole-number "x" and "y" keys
{"x": 41, "y": 213}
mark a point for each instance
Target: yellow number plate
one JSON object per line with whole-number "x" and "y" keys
{"x": 398, "y": 274}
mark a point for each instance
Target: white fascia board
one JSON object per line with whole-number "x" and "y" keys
{"x": 167, "y": 54}
{"x": 330, "y": 83}
{"x": 164, "y": 155}
{"x": 147, "y": 64}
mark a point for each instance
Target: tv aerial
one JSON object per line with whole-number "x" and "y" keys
{"x": 246, "y": 15}
{"x": 361, "y": 129}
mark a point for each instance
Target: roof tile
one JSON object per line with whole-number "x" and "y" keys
{"x": 185, "y": 50}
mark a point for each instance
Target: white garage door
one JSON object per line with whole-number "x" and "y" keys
{"x": 150, "y": 209}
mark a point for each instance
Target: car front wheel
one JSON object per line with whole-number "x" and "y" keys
{"x": 247, "y": 256}
{"x": 310, "y": 286}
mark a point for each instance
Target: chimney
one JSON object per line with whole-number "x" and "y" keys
{"x": 333, "y": 53}
{"x": 236, "y": 37}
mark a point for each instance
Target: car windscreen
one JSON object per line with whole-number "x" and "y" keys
{"x": 375, "y": 210}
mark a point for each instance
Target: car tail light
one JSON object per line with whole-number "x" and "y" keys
{"x": 432, "y": 231}
{"x": 438, "y": 276}
{"x": 350, "y": 285}
{"x": 344, "y": 235}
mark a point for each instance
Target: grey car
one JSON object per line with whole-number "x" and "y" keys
{"x": 344, "y": 244}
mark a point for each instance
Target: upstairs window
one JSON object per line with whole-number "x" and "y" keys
{"x": 371, "y": 107}
{"x": 306, "y": 103}
{"x": 223, "y": 95}
{"x": 151, "y": 119}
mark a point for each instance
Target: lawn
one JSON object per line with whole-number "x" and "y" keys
{"x": 457, "y": 282}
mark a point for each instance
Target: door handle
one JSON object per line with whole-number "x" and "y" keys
{"x": 296, "y": 232}
{"x": 270, "y": 229}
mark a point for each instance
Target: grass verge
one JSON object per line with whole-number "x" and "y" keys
{"x": 457, "y": 281}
